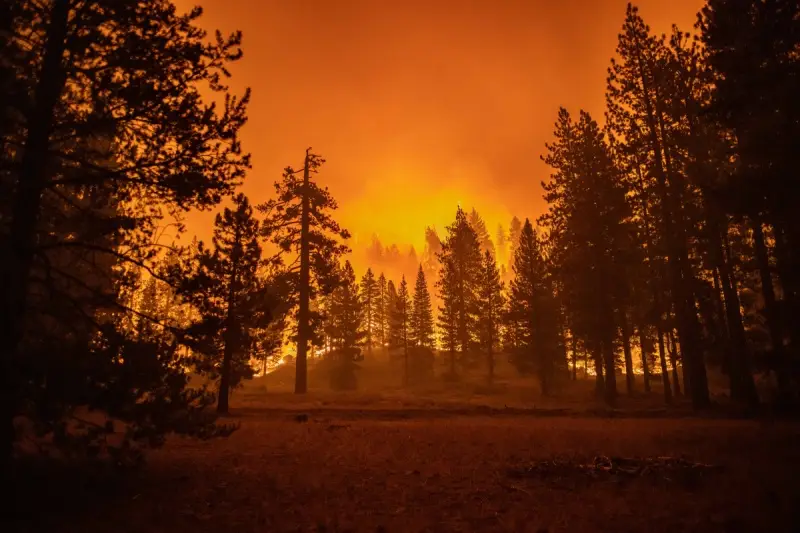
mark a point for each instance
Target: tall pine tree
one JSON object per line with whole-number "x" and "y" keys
{"x": 490, "y": 308}
{"x": 370, "y": 304}
{"x": 402, "y": 320}
{"x": 460, "y": 261}
{"x": 533, "y": 308}
{"x": 233, "y": 301}
{"x": 299, "y": 222}
{"x": 422, "y": 314}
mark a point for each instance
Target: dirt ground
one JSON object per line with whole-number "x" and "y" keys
{"x": 384, "y": 462}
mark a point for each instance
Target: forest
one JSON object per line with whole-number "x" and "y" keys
{"x": 662, "y": 278}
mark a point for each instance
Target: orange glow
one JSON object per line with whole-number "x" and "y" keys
{"x": 419, "y": 105}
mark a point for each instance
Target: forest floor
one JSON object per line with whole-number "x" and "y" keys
{"x": 394, "y": 462}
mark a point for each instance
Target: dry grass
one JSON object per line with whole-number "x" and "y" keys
{"x": 435, "y": 461}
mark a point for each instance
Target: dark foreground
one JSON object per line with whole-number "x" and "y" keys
{"x": 348, "y": 470}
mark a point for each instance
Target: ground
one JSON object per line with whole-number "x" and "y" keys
{"x": 394, "y": 461}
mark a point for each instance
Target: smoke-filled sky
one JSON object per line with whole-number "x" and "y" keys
{"x": 419, "y": 105}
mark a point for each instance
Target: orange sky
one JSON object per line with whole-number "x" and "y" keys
{"x": 420, "y": 104}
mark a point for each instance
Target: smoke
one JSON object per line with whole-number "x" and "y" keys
{"x": 419, "y": 107}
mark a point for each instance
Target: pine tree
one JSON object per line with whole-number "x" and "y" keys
{"x": 490, "y": 308}
{"x": 298, "y": 221}
{"x": 637, "y": 95}
{"x": 346, "y": 315}
{"x": 393, "y": 339}
{"x": 370, "y": 304}
{"x": 514, "y": 232}
{"x": 751, "y": 49}
{"x": 460, "y": 261}
{"x": 233, "y": 301}
{"x": 421, "y": 332}
{"x": 346, "y": 329}
{"x": 381, "y": 318}
{"x": 86, "y": 77}
{"x": 533, "y": 307}
{"x": 402, "y": 321}
{"x": 447, "y": 320}
{"x": 588, "y": 220}
{"x": 502, "y": 246}
{"x": 481, "y": 231}
{"x": 430, "y": 254}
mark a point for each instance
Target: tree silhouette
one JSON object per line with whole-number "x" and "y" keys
{"x": 111, "y": 133}
{"x": 752, "y": 57}
{"x": 381, "y": 318}
{"x": 402, "y": 320}
{"x": 588, "y": 222}
{"x": 481, "y": 231}
{"x": 299, "y": 222}
{"x": 370, "y": 304}
{"x": 460, "y": 261}
{"x": 421, "y": 325}
{"x": 490, "y": 308}
{"x": 233, "y": 300}
{"x": 393, "y": 339}
{"x": 637, "y": 111}
{"x": 346, "y": 329}
{"x": 533, "y": 309}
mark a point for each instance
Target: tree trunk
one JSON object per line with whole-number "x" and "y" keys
{"x": 18, "y": 249}
{"x": 738, "y": 357}
{"x": 303, "y": 325}
{"x": 230, "y": 323}
{"x": 773, "y": 318}
{"x": 610, "y": 393}
{"x": 405, "y": 348}
{"x": 600, "y": 384}
{"x": 719, "y": 302}
{"x": 645, "y": 359}
{"x": 626, "y": 347}
{"x": 673, "y": 356}
{"x": 664, "y": 371}
{"x": 786, "y": 252}
{"x": 491, "y": 366}
{"x": 688, "y": 329}
{"x": 585, "y": 363}
{"x": 574, "y": 359}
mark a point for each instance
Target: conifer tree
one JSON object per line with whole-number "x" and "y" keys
{"x": 447, "y": 319}
{"x": 637, "y": 96}
{"x": 502, "y": 246}
{"x": 533, "y": 307}
{"x": 79, "y": 81}
{"x": 393, "y": 339}
{"x": 490, "y": 308}
{"x": 233, "y": 301}
{"x": 402, "y": 320}
{"x": 481, "y": 231}
{"x": 299, "y": 222}
{"x": 346, "y": 329}
{"x": 370, "y": 294}
{"x": 381, "y": 318}
{"x": 588, "y": 222}
{"x": 751, "y": 51}
{"x": 422, "y": 314}
{"x": 514, "y": 232}
{"x": 460, "y": 261}
{"x": 346, "y": 314}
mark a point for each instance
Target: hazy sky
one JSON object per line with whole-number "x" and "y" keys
{"x": 419, "y": 105}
